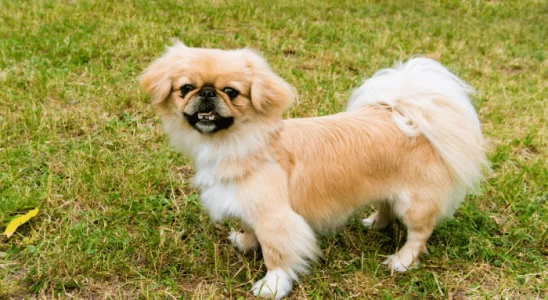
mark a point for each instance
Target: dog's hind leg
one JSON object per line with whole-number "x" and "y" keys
{"x": 419, "y": 214}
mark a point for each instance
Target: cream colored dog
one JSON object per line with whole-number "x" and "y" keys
{"x": 409, "y": 143}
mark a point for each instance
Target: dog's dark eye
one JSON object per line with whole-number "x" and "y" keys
{"x": 231, "y": 93}
{"x": 185, "y": 89}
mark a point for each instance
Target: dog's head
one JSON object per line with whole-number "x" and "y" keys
{"x": 215, "y": 90}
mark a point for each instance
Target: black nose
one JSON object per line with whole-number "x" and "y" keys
{"x": 208, "y": 92}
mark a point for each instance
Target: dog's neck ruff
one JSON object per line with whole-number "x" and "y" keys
{"x": 236, "y": 146}
{"x": 222, "y": 152}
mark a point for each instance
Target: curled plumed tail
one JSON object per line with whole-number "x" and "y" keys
{"x": 428, "y": 99}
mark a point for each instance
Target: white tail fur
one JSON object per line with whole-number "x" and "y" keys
{"x": 428, "y": 99}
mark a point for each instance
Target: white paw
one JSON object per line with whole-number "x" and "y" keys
{"x": 368, "y": 223}
{"x": 276, "y": 283}
{"x": 233, "y": 237}
{"x": 375, "y": 222}
{"x": 399, "y": 263}
{"x": 237, "y": 239}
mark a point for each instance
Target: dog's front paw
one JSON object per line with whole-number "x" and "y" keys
{"x": 375, "y": 222}
{"x": 233, "y": 238}
{"x": 369, "y": 222}
{"x": 400, "y": 262}
{"x": 243, "y": 241}
{"x": 276, "y": 283}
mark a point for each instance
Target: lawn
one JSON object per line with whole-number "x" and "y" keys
{"x": 118, "y": 218}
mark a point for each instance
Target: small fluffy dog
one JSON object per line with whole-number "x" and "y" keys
{"x": 409, "y": 143}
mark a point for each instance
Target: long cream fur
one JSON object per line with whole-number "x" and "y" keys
{"x": 427, "y": 99}
{"x": 410, "y": 144}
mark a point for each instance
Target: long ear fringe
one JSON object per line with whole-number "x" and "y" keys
{"x": 270, "y": 94}
{"x": 155, "y": 80}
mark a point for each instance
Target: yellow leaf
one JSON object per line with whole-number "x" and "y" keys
{"x": 20, "y": 220}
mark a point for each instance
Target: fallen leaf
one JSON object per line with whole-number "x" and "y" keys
{"x": 18, "y": 221}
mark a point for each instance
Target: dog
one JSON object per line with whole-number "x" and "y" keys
{"x": 409, "y": 143}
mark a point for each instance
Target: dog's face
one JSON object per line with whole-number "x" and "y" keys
{"x": 214, "y": 90}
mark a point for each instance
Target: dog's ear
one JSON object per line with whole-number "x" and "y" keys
{"x": 270, "y": 94}
{"x": 156, "y": 79}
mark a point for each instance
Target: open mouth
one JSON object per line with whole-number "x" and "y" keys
{"x": 209, "y": 122}
{"x": 210, "y": 116}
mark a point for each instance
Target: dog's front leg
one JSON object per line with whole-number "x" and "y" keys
{"x": 246, "y": 240}
{"x": 287, "y": 241}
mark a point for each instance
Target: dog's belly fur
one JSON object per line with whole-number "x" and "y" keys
{"x": 365, "y": 158}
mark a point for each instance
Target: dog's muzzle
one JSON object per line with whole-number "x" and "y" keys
{"x": 206, "y": 118}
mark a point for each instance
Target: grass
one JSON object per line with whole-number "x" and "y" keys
{"x": 118, "y": 218}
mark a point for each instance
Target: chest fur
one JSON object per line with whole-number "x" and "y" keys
{"x": 217, "y": 197}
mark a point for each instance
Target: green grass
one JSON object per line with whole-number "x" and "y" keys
{"x": 118, "y": 218}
